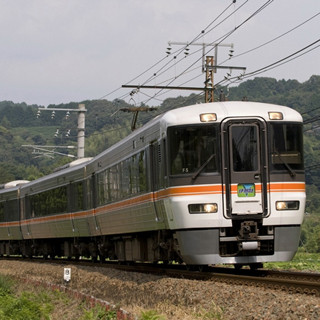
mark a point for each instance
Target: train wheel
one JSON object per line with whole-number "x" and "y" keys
{"x": 195, "y": 267}
{"x": 255, "y": 266}
{"x": 238, "y": 266}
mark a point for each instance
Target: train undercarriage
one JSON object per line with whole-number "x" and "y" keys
{"x": 246, "y": 243}
{"x": 145, "y": 247}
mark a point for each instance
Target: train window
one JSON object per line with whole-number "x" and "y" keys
{"x": 286, "y": 146}
{"x": 11, "y": 210}
{"x": 123, "y": 179}
{"x": 244, "y": 147}
{"x": 89, "y": 193}
{"x": 142, "y": 172}
{"x": 114, "y": 186}
{"x": 191, "y": 147}
{"x": 78, "y": 194}
{"x": 1, "y": 211}
{"x": 134, "y": 174}
{"x": 49, "y": 202}
{"x": 103, "y": 182}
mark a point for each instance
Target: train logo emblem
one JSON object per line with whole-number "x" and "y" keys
{"x": 246, "y": 190}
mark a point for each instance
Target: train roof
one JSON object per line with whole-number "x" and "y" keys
{"x": 191, "y": 115}
{"x": 228, "y": 109}
{"x": 60, "y": 177}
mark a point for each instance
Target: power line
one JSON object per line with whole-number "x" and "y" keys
{"x": 179, "y": 51}
{"x": 310, "y": 111}
{"x": 274, "y": 39}
{"x": 162, "y": 59}
{"x": 313, "y": 128}
{"x": 275, "y": 64}
{"x": 222, "y": 39}
{"x": 202, "y": 33}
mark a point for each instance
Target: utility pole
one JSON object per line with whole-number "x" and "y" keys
{"x": 204, "y": 46}
{"x": 209, "y": 67}
{"x": 81, "y": 124}
{"x": 209, "y": 93}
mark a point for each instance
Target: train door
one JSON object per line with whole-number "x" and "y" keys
{"x": 245, "y": 167}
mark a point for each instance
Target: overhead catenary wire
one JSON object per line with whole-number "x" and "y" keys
{"x": 196, "y": 38}
{"x": 274, "y": 39}
{"x": 181, "y": 50}
{"x": 202, "y": 33}
{"x": 177, "y": 52}
{"x": 221, "y": 39}
{"x": 207, "y": 30}
{"x": 276, "y": 63}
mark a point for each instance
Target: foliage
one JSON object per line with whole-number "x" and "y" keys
{"x": 27, "y": 306}
{"x": 99, "y": 313}
{"x": 42, "y": 303}
{"x": 5, "y": 286}
{"x": 301, "y": 261}
{"x": 150, "y": 315}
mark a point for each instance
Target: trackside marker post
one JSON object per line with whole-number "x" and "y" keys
{"x": 67, "y": 274}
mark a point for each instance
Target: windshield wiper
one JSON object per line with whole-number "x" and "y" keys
{"x": 292, "y": 173}
{"x": 203, "y": 166}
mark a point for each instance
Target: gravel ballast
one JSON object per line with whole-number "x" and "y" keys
{"x": 173, "y": 298}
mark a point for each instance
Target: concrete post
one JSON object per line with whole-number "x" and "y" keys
{"x": 81, "y": 126}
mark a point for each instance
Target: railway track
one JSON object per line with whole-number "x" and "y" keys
{"x": 290, "y": 281}
{"x": 293, "y": 282}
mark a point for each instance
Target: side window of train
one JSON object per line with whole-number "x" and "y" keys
{"x": 11, "y": 210}
{"x": 123, "y": 179}
{"x": 2, "y": 211}
{"x": 134, "y": 174}
{"x": 49, "y": 202}
{"x": 190, "y": 147}
{"x": 163, "y": 164}
{"x": 142, "y": 172}
{"x": 89, "y": 192}
{"x": 125, "y": 186}
{"x": 77, "y": 196}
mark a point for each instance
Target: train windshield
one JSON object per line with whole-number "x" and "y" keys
{"x": 286, "y": 146}
{"x": 192, "y": 148}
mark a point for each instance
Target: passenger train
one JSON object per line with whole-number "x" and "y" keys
{"x": 213, "y": 183}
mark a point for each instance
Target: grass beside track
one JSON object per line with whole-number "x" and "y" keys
{"x": 302, "y": 261}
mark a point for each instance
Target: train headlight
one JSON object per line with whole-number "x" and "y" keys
{"x": 203, "y": 208}
{"x": 208, "y": 117}
{"x": 287, "y": 205}
{"x": 275, "y": 115}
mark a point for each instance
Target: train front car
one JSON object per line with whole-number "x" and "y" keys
{"x": 236, "y": 182}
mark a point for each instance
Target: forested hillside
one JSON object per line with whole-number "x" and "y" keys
{"x": 106, "y": 124}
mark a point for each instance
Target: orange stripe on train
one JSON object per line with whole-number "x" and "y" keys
{"x": 162, "y": 194}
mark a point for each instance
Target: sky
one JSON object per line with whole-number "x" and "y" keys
{"x": 61, "y": 51}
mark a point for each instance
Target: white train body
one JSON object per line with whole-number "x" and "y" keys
{"x": 205, "y": 184}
